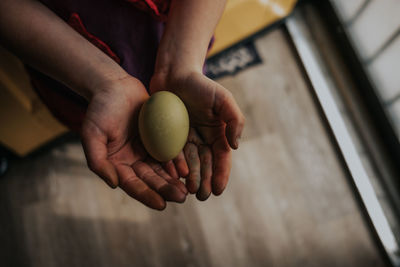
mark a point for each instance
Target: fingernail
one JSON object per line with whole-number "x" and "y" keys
{"x": 109, "y": 179}
{"x": 203, "y": 195}
{"x": 193, "y": 184}
{"x": 237, "y": 142}
{"x": 109, "y": 183}
{"x": 198, "y": 181}
{"x": 184, "y": 190}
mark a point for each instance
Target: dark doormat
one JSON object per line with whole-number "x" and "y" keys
{"x": 233, "y": 60}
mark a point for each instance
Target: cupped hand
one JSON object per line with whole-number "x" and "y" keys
{"x": 113, "y": 148}
{"x": 216, "y": 126}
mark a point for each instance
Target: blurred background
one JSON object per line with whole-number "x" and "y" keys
{"x": 315, "y": 182}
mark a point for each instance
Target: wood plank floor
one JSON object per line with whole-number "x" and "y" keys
{"x": 288, "y": 202}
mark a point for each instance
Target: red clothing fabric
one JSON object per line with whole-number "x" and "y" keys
{"x": 157, "y": 8}
{"x": 76, "y": 23}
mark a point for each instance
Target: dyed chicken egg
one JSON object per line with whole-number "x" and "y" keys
{"x": 163, "y": 125}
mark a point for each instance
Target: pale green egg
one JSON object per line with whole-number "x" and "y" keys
{"x": 163, "y": 125}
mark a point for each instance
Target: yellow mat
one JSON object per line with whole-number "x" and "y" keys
{"x": 243, "y": 18}
{"x": 25, "y": 122}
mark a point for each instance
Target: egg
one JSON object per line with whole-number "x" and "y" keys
{"x": 163, "y": 125}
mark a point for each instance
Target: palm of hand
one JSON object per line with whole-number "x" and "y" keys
{"x": 216, "y": 123}
{"x": 114, "y": 150}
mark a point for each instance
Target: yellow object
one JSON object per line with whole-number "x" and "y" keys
{"x": 163, "y": 125}
{"x": 25, "y": 123}
{"x": 242, "y": 18}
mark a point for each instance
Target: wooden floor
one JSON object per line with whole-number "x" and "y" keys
{"x": 288, "y": 202}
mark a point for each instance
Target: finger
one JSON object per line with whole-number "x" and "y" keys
{"x": 168, "y": 191}
{"x": 222, "y": 160}
{"x": 137, "y": 189}
{"x": 194, "y": 137}
{"x": 206, "y": 173}
{"x": 193, "y": 161}
{"x": 170, "y": 168}
{"x": 230, "y": 113}
{"x": 181, "y": 165}
{"x": 158, "y": 169}
{"x": 95, "y": 147}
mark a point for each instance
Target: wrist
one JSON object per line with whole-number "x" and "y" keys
{"x": 170, "y": 78}
{"x": 102, "y": 82}
{"x": 127, "y": 89}
{"x": 174, "y": 59}
{"x": 170, "y": 70}
{"x": 176, "y": 68}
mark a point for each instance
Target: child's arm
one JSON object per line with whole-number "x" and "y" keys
{"x": 47, "y": 43}
{"x": 43, "y": 40}
{"x": 190, "y": 26}
{"x": 216, "y": 119}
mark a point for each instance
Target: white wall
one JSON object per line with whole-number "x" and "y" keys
{"x": 374, "y": 27}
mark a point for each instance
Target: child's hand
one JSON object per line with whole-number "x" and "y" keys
{"x": 113, "y": 148}
{"x": 216, "y": 125}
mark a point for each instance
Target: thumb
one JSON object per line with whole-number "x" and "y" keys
{"x": 95, "y": 147}
{"x": 230, "y": 113}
